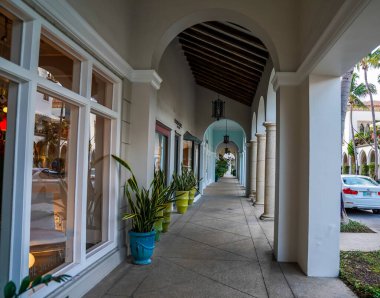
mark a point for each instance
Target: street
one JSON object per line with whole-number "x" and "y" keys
{"x": 366, "y": 217}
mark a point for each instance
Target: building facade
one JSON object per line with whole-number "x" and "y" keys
{"x": 81, "y": 80}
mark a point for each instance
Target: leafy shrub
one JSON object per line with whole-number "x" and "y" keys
{"x": 364, "y": 170}
{"x": 345, "y": 169}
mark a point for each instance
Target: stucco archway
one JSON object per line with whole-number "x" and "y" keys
{"x": 261, "y": 116}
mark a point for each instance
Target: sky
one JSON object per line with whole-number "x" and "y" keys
{"x": 372, "y": 78}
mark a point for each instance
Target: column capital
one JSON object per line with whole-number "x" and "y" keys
{"x": 261, "y": 136}
{"x": 270, "y": 125}
{"x": 253, "y": 141}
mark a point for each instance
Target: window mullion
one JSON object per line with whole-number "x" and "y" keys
{"x": 22, "y": 182}
{"x": 30, "y": 45}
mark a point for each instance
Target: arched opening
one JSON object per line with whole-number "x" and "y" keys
{"x": 271, "y": 100}
{"x": 215, "y": 148}
{"x": 261, "y": 116}
{"x": 254, "y": 127}
{"x": 363, "y": 167}
{"x": 345, "y": 164}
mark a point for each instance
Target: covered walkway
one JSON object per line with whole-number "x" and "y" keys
{"x": 219, "y": 248}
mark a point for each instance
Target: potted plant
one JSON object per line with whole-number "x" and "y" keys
{"x": 193, "y": 183}
{"x": 143, "y": 213}
{"x": 164, "y": 195}
{"x": 181, "y": 186}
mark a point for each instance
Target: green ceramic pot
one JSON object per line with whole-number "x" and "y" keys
{"x": 182, "y": 198}
{"x": 158, "y": 225}
{"x": 167, "y": 217}
{"x": 192, "y": 195}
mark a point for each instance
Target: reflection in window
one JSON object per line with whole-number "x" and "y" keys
{"x": 96, "y": 186}
{"x": 4, "y": 97}
{"x": 10, "y": 36}
{"x": 57, "y": 65}
{"x": 160, "y": 152}
{"x": 53, "y": 185}
{"x": 101, "y": 90}
{"x": 187, "y": 154}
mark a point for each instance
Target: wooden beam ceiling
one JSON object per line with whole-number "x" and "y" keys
{"x": 225, "y": 58}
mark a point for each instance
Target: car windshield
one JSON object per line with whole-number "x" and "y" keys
{"x": 359, "y": 181}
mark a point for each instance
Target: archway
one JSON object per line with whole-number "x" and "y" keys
{"x": 261, "y": 116}
{"x": 363, "y": 167}
{"x": 345, "y": 165}
{"x": 230, "y": 153}
{"x": 214, "y": 145}
{"x": 271, "y": 100}
{"x": 254, "y": 126}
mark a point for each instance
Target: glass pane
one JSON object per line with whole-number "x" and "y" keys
{"x": 187, "y": 154}
{"x": 57, "y": 65}
{"x": 97, "y": 180}
{"x": 10, "y": 36}
{"x": 160, "y": 152}
{"x": 4, "y": 87}
{"x": 53, "y": 185}
{"x": 101, "y": 90}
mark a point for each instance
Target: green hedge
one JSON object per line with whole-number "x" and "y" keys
{"x": 345, "y": 169}
{"x": 364, "y": 170}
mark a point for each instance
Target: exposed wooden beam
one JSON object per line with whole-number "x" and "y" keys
{"x": 218, "y": 68}
{"x": 225, "y": 56}
{"x": 226, "y": 87}
{"x": 236, "y": 32}
{"x": 206, "y": 34}
{"x": 232, "y": 53}
{"x": 224, "y": 81}
{"x": 223, "y": 92}
{"x": 231, "y": 76}
{"x": 210, "y": 54}
{"x": 227, "y": 65}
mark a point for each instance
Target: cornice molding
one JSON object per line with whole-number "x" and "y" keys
{"x": 63, "y": 16}
{"x": 147, "y": 76}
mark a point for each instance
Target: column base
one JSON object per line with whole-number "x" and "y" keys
{"x": 267, "y": 217}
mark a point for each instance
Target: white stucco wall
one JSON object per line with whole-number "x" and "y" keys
{"x": 176, "y": 97}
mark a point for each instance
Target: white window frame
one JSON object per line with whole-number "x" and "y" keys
{"x": 25, "y": 74}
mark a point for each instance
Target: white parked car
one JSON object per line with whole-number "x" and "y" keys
{"x": 361, "y": 192}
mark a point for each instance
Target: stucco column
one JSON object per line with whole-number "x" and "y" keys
{"x": 270, "y": 171}
{"x": 260, "y": 169}
{"x": 143, "y": 124}
{"x": 253, "y": 168}
{"x": 248, "y": 170}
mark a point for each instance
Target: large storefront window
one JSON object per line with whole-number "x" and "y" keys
{"x": 53, "y": 184}
{"x": 10, "y": 36}
{"x": 160, "y": 152}
{"x": 61, "y": 218}
{"x": 98, "y": 167}
{"x": 101, "y": 90}
{"x": 188, "y": 154}
{"x": 58, "y": 65}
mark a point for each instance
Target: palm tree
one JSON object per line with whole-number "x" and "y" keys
{"x": 357, "y": 91}
{"x": 372, "y": 60}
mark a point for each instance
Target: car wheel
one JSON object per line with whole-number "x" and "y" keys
{"x": 376, "y": 211}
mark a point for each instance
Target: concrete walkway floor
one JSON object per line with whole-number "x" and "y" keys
{"x": 219, "y": 248}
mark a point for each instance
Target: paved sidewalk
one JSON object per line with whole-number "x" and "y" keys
{"x": 219, "y": 248}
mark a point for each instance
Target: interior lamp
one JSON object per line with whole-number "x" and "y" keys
{"x": 32, "y": 260}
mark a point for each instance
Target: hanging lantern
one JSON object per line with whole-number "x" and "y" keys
{"x": 218, "y": 109}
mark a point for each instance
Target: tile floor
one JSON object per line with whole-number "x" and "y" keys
{"x": 218, "y": 248}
